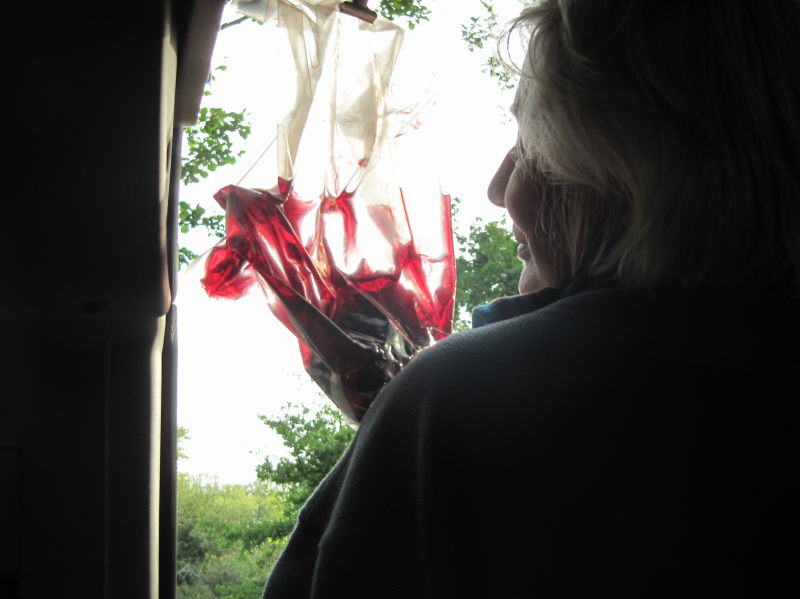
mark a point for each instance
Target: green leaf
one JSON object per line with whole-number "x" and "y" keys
{"x": 211, "y": 142}
{"x": 487, "y": 266}
{"x": 413, "y": 10}
{"x": 315, "y": 441}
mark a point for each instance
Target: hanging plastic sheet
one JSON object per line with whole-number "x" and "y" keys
{"x": 352, "y": 244}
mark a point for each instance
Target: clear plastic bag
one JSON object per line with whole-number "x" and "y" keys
{"x": 353, "y": 245}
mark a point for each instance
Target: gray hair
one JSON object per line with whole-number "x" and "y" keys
{"x": 665, "y": 138}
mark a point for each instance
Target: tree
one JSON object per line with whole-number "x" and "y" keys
{"x": 316, "y": 440}
{"x": 414, "y": 10}
{"x": 216, "y": 557}
{"x": 181, "y": 437}
{"x": 487, "y": 266}
{"x": 479, "y": 30}
{"x": 227, "y": 543}
{"x": 210, "y": 144}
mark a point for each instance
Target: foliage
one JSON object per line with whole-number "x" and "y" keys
{"x": 498, "y": 71}
{"x": 210, "y": 144}
{"x": 229, "y": 536}
{"x": 209, "y": 140}
{"x": 477, "y": 32}
{"x": 316, "y": 440}
{"x": 217, "y": 555}
{"x": 487, "y": 266}
{"x": 185, "y": 256}
{"x": 479, "y": 29}
{"x": 191, "y": 217}
{"x": 231, "y": 575}
{"x": 182, "y": 436}
{"x": 414, "y": 10}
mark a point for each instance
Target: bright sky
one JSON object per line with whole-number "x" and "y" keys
{"x": 235, "y": 360}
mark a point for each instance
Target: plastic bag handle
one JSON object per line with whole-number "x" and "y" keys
{"x": 359, "y": 8}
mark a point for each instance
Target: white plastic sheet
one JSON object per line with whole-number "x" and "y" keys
{"x": 352, "y": 241}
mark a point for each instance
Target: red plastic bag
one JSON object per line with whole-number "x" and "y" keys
{"x": 353, "y": 246}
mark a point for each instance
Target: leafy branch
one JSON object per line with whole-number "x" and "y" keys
{"x": 413, "y": 10}
{"x": 210, "y": 144}
{"x": 477, "y": 32}
{"x": 486, "y": 265}
{"x": 316, "y": 440}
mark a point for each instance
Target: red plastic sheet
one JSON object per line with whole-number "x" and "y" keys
{"x": 356, "y": 329}
{"x": 353, "y": 245}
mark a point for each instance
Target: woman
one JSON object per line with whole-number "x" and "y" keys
{"x": 627, "y": 425}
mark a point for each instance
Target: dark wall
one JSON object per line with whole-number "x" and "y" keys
{"x": 87, "y": 353}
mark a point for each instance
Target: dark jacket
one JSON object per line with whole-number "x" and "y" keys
{"x": 611, "y": 443}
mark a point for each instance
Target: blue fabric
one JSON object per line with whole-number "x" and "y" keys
{"x": 508, "y": 307}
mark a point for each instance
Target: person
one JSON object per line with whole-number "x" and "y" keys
{"x": 628, "y": 424}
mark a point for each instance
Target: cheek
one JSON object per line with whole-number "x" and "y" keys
{"x": 522, "y": 202}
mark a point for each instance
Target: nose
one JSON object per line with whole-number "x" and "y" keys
{"x": 497, "y": 186}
